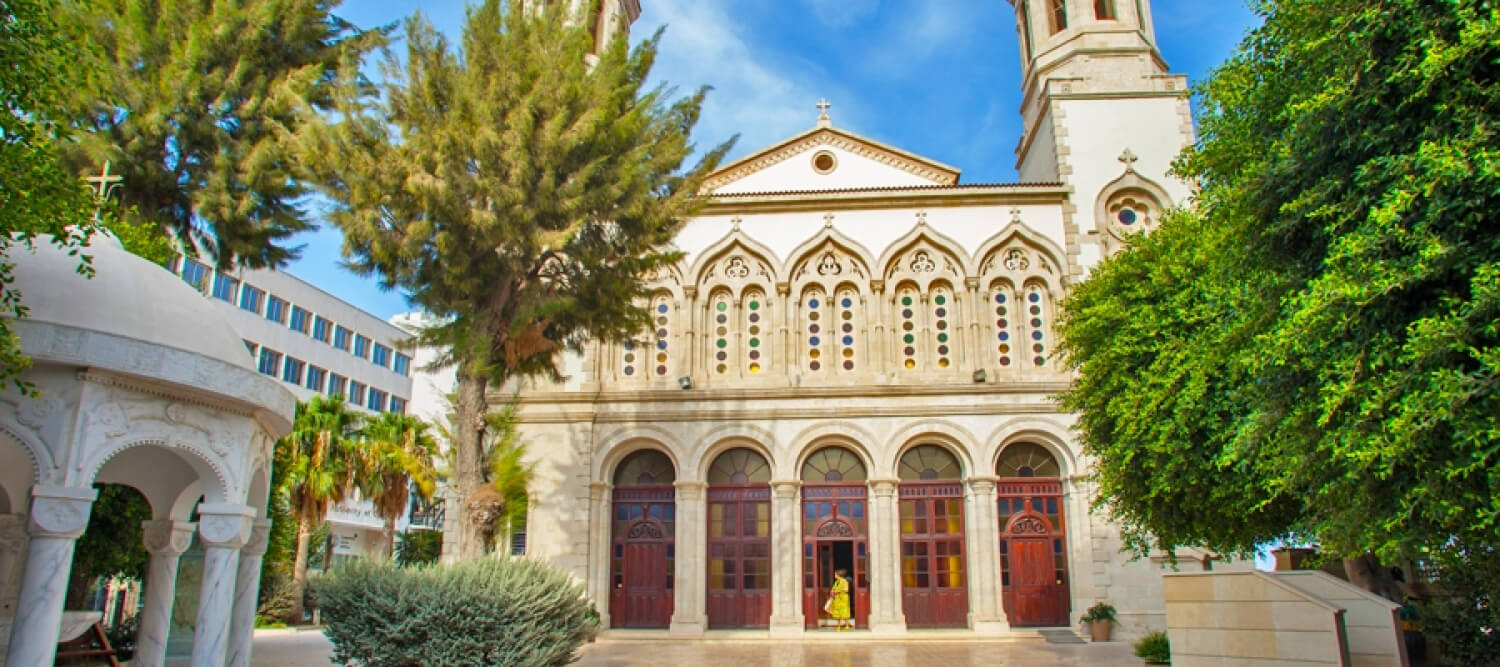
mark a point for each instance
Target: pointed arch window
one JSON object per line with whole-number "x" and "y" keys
{"x": 1037, "y": 313}
{"x": 907, "y": 301}
{"x": 813, "y": 305}
{"x": 720, "y": 341}
{"x": 1059, "y": 15}
{"x": 1002, "y": 297}
{"x": 944, "y": 324}
{"x": 757, "y": 327}
{"x": 661, "y": 314}
{"x": 846, "y": 304}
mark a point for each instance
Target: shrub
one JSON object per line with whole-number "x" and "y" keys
{"x": 495, "y": 611}
{"x": 1101, "y": 611}
{"x": 276, "y": 598}
{"x": 1154, "y": 647}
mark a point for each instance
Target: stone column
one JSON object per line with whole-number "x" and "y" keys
{"x": 886, "y": 616}
{"x": 691, "y": 327}
{"x": 58, "y": 516}
{"x": 987, "y": 614}
{"x": 165, "y": 540}
{"x": 688, "y": 615}
{"x": 786, "y": 559}
{"x": 12, "y": 559}
{"x": 601, "y": 522}
{"x": 786, "y": 315}
{"x": 876, "y": 313}
{"x": 247, "y": 594}
{"x": 974, "y": 312}
{"x": 224, "y": 530}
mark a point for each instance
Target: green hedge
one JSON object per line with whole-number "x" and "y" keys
{"x": 495, "y": 611}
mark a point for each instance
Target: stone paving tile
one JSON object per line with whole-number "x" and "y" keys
{"x": 285, "y": 648}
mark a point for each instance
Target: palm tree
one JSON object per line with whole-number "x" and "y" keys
{"x": 397, "y": 457}
{"x": 495, "y": 507}
{"x": 324, "y": 464}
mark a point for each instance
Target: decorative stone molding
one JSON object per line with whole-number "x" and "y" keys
{"x": 884, "y": 488}
{"x": 260, "y": 534}
{"x": 786, "y": 489}
{"x": 225, "y": 526}
{"x": 165, "y": 537}
{"x": 932, "y": 171}
{"x": 60, "y": 511}
{"x": 690, "y": 490}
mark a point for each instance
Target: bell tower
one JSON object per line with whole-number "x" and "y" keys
{"x": 1101, "y": 114}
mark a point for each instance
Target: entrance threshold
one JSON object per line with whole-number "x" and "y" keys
{"x": 963, "y": 635}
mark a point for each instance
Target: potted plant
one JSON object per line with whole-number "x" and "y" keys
{"x": 1100, "y": 618}
{"x": 1154, "y": 648}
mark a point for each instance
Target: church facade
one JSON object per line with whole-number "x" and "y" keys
{"x": 854, "y": 367}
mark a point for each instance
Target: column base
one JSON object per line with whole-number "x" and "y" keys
{"x": 791, "y": 627}
{"x": 991, "y": 627}
{"x": 693, "y": 628}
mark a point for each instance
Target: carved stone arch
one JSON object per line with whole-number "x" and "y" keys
{"x": 922, "y": 255}
{"x": 736, "y": 261}
{"x": 1035, "y": 255}
{"x": 668, "y": 277}
{"x": 1051, "y": 436}
{"x": 1147, "y": 200}
{"x": 210, "y": 469}
{"x": 949, "y": 435}
{"x": 830, "y": 258}
{"x": 622, "y": 442}
{"x": 729, "y": 436}
{"x": 43, "y": 465}
{"x": 839, "y": 433}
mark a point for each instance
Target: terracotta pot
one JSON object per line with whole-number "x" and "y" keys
{"x": 1099, "y": 630}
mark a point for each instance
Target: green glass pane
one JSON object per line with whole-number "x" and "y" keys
{"x": 723, "y": 306}
{"x": 909, "y": 339}
{"x": 754, "y": 342}
{"x": 906, "y": 301}
{"x": 722, "y": 343}
{"x": 754, "y": 305}
{"x": 942, "y": 338}
{"x": 941, "y": 300}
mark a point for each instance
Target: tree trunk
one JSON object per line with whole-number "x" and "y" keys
{"x": 390, "y": 539}
{"x": 468, "y": 469}
{"x": 1366, "y": 572}
{"x": 299, "y": 571}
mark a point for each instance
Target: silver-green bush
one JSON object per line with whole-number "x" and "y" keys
{"x": 495, "y": 611}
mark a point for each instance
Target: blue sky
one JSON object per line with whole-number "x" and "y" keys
{"x": 939, "y": 78}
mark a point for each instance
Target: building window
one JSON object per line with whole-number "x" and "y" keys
{"x": 337, "y": 384}
{"x": 1104, "y": 9}
{"x": 813, "y": 302}
{"x": 315, "y": 378}
{"x": 944, "y": 317}
{"x": 253, "y": 348}
{"x": 845, "y": 304}
{"x": 250, "y": 298}
{"x": 1003, "y": 298}
{"x": 301, "y": 319}
{"x": 225, "y": 287}
{"x": 291, "y": 371}
{"x": 1037, "y": 310}
{"x": 276, "y": 309}
{"x": 341, "y": 337}
{"x": 270, "y": 361}
{"x": 356, "y": 392}
{"x": 1025, "y": 28}
{"x": 757, "y": 327}
{"x": 377, "y": 400}
{"x": 194, "y": 273}
{"x": 380, "y": 356}
{"x": 398, "y": 404}
{"x": 361, "y": 346}
{"x": 1059, "y": 16}
{"x": 402, "y": 364}
{"x": 322, "y": 329}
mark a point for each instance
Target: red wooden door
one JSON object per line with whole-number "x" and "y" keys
{"x": 834, "y": 534}
{"x": 739, "y": 557}
{"x": 642, "y": 558}
{"x": 934, "y": 590}
{"x": 648, "y": 601}
{"x": 1031, "y": 579}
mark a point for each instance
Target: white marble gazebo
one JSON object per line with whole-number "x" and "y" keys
{"x": 138, "y": 382}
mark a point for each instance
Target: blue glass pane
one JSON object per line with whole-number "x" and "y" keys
{"x": 807, "y": 551}
{"x": 859, "y": 510}
{"x": 848, "y": 340}
{"x": 1036, "y": 335}
{"x": 1034, "y": 297}
{"x": 671, "y": 512}
{"x": 661, "y": 308}
{"x": 661, "y": 345}
{"x": 812, "y": 304}
{"x": 1004, "y": 335}
{"x": 813, "y": 341}
{"x": 861, "y": 549}
{"x": 999, "y": 298}
{"x": 847, "y": 303}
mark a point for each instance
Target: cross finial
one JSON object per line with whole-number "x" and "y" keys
{"x": 1015, "y": 215}
{"x": 1129, "y": 158}
{"x": 921, "y": 217}
{"x": 104, "y": 182}
{"x": 823, "y": 107}
{"x": 735, "y": 221}
{"x": 827, "y": 220}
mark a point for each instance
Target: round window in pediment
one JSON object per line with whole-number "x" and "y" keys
{"x": 824, "y": 162}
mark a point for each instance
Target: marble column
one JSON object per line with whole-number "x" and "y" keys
{"x": 886, "y": 616}
{"x": 58, "y": 516}
{"x": 247, "y": 594}
{"x": 223, "y": 530}
{"x": 987, "y": 614}
{"x": 165, "y": 540}
{"x": 786, "y": 558}
{"x": 12, "y": 559}
{"x": 688, "y": 614}
{"x": 601, "y": 522}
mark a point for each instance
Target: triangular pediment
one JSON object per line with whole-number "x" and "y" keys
{"x": 828, "y": 158}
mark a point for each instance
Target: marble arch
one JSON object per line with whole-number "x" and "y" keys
{"x": 37, "y": 453}
{"x": 217, "y": 487}
{"x": 956, "y": 439}
{"x": 631, "y": 440}
{"x": 715, "y": 266}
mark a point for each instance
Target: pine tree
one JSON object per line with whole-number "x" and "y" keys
{"x": 195, "y": 102}
{"x": 517, "y": 190}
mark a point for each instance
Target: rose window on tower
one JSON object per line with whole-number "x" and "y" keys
{"x": 813, "y": 302}
{"x": 847, "y": 300}
{"x": 756, "y": 331}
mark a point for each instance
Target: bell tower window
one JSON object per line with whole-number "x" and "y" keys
{"x": 1104, "y": 10}
{"x": 1059, "y": 15}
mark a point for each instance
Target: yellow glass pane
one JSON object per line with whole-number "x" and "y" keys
{"x": 911, "y": 363}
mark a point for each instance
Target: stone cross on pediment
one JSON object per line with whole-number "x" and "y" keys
{"x": 1129, "y": 158}
{"x": 827, "y": 221}
{"x": 823, "y": 107}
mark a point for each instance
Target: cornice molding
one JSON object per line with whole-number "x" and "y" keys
{"x": 938, "y": 173}
{"x": 895, "y": 198}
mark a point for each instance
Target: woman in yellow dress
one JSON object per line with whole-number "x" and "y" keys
{"x": 838, "y": 602}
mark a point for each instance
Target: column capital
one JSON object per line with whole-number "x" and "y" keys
{"x": 982, "y": 484}
{"x": 165, "y": 537}
{"x": 60, "y": 511}
{"x": 884, "y": 488}
{"x": 597, "y": 490}
{"x": 225, "y": 526}
{"x": 690, "y": 490}
{"x": 785, "y": 488}
{"x": 260, "y": 537}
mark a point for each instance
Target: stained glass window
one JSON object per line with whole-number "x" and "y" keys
{"x": 929, "y": 462}
{"x": 906, "y": 314}
{"x": 661, "y": 314}
{"x": 1036, "y": 311}
{"x": 1027, "y": 460}
{"x": 943, "y": 309}
{"x": 757, "y": 330}
{"x": 647, "y": 466}
{"x": 847, "y": 301}
{"x": 833, "y": 464}
{"x": 1002, "y": 297}
{"x": 719, "y": 341}
{"x": 813, "y": 303}
{"x": 739, "y": 466}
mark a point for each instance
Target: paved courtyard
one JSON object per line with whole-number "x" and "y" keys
{"x": 284, "y": 648}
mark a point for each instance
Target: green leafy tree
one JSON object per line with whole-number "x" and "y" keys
{"x": 518, "y": 191}
{"x": 1311, "y": 351}
{"x": 398, "y": 458}
{"x": 39, "y": 196}
{"x": 111, "y": 545}
{"x": 195, "y": 101}
{"x": 324, "y": 462}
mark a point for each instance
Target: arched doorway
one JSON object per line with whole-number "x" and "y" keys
{"x": 1033, "y": 537}
{"x": 739, "y": 540}
{"x": 934, "y": 593}
{"x": 835, "y": 531}
{"x": 642, "y": 552}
